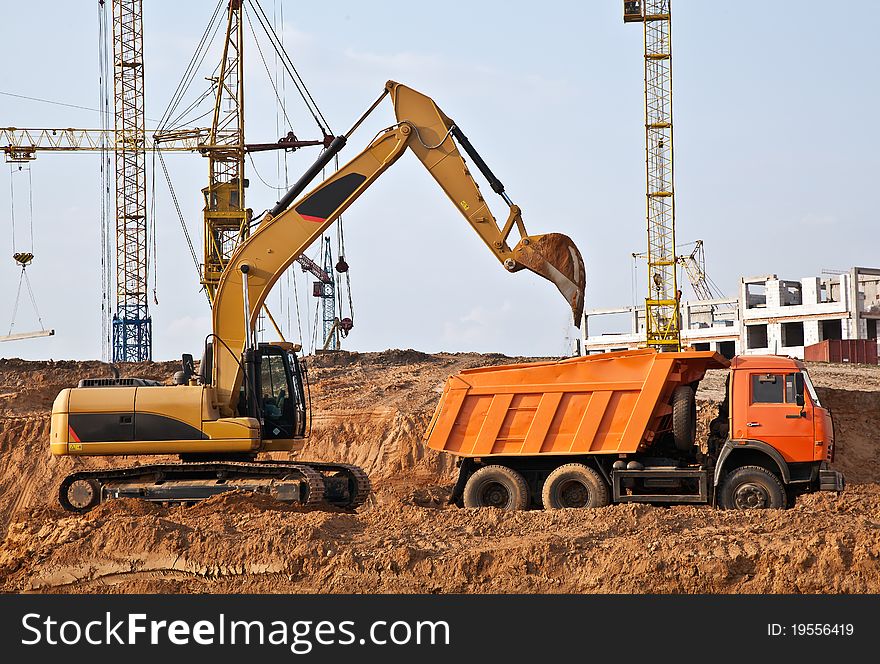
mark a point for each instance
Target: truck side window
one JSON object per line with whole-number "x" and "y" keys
{"x": 767, "y": 388}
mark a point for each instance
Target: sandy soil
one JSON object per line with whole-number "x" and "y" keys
{"x": 371, "y": 409}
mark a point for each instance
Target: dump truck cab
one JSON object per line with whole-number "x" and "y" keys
{"x": 775, "y": 421}
{"x": 622, "y": 427}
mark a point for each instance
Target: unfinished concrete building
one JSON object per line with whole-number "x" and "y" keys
{"x": 770, "y": 315}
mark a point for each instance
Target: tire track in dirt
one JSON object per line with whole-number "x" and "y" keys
{"x": 19, "y": 481}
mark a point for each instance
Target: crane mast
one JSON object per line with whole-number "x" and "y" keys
{"x": 662, "y": 319}
{"x": 226, "y": 220}
{"x": 132, "y": 326}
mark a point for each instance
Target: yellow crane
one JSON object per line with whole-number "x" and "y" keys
{"x": 131, "y": 325}
{"x": 226, "y": 218}
{"x": 662, "y": 319}
{"x": 694, "y": 265}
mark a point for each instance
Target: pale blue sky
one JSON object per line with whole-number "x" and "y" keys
{"x": 775, "y": 139}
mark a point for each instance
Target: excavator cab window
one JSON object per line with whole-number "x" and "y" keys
{"x": 280, "y": 391}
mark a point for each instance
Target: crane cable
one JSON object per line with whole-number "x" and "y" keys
{"x": 23, "y": 258}
{"x": 151, "y": 234}
{"x": 292, "y": 71}
{"x": 292, "y": 285}
{"x": 342, "y": 268}
{"x": 189, "y": 74}
{"x": 186, "y": 234}
{"x": 268, "y": 73}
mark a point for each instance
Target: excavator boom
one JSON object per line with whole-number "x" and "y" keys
{"x": 422, "y": 127}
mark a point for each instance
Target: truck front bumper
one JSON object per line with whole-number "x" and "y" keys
{"x": 831, "y": 480}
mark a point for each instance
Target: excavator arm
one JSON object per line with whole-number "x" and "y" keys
{"x": 285, "y": 232}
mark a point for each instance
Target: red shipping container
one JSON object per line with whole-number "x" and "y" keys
{"x": 854, "y": 351}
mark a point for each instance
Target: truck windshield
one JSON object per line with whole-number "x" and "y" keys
{"x": 811, "y": 390}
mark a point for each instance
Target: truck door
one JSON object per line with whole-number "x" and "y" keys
{"x": 773, "y": 415}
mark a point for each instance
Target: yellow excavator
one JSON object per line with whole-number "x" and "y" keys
{"x": 247, "y": 397}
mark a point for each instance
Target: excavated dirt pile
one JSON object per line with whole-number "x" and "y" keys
{"x": 372, "y": 409}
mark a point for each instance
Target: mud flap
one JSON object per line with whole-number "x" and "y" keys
{"x": 555, "y": 257}
{"x": 831, "y": 480}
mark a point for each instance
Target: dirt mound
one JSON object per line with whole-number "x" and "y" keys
{"x": 372, "y": 409}
{"x": 856, "y": 416}
{"x": 29, "y": 474}
{"x": 826, "y": 544}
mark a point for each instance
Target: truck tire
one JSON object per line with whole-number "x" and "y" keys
{"x": 751, "y": 487}
{"x": 496, "y": 486}
{"x": 684, "y": 418}
{"x": 574, "y": 485}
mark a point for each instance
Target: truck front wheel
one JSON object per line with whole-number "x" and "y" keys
{"x": 574, "y": 485}
{"x": 496, "y": 486}
{"x": 751, "y": 487}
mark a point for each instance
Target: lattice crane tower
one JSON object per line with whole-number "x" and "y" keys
{"x": 132, "y": 326}
{"x": 662, "y": 320}
{"x": 226, "y": 220}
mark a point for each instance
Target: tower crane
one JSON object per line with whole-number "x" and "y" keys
{"x": 226, "y": 219}
{"x": 694, "y": 265}
{"x": 662, "y": 318}
{"x": 132, "y": 325}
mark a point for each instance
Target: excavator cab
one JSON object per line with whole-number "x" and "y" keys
{"x": 278, "y": 398}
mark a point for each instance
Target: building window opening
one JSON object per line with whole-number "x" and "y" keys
{"x": 756, "y": 295}
{"x": 756, "y": 336}
{"x": 831, "y": 329}
{"x": 793, "y": 334}
{"x": 727, "y": 349}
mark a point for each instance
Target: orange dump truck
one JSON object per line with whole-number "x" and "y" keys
{"x": 621, "y": 427}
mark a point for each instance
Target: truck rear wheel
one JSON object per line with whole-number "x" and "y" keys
{"x": 684, "y": 418}
{"x": 496, "y": 486}
{"x": 751, "y": 487}
{"x": 574, "y": 485}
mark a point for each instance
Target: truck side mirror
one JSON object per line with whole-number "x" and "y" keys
{"x": 799, "y": 389}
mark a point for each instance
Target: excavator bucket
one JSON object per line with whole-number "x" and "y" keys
{"x": 556, "y": 258}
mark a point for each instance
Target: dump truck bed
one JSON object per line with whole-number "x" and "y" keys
{"x": 600, "y": 404}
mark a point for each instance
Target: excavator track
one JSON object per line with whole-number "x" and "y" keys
{"x": 310, "y": 484}
{"x": 359, "y": 482}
